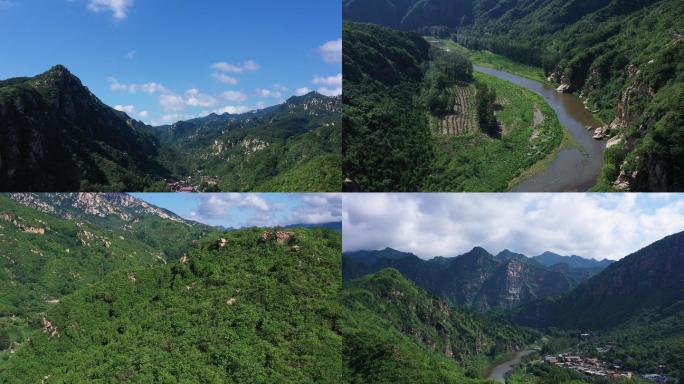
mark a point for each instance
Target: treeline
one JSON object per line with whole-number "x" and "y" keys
{"x": 514, "y": 50}
{"x": 485, "y": 103}
{"x": 447, "y": 69}
{"x": 386, "y": 140}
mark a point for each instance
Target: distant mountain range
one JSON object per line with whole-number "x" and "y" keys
{"x": 478, "y": 278}
{"x": 55, "y": 135}
{"x": 649, "y": 279}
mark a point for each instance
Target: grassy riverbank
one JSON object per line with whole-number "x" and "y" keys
{"x": 492, "y": 60}
{"x": 477, "y": 162}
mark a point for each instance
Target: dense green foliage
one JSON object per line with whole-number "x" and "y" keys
{"x": 394, "y": 332}
{"x": 477, "y": 162}
{"x": 57, "y": 136}
{"x": 397, "y": 90}
{"x": 484, "y": 104}
{"x": 636, "y": 303}
{"x": 250, "y": 311}
{"x": 623, "y": 57}
{"x": 44, "y": 257}
{"x": 295, "y": 146}
{"x": 386, "y": 138}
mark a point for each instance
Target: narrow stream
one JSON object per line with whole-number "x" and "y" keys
{"x": 572, "y": 170}
{"x": 499, "y": 372}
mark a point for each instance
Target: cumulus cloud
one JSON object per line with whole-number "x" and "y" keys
{"x": 233, "y": 96}
{"x": 232, "y": 109}
{"x": 598, "y": 226}
{"x": 246, "y": 66}
{"x": 171, "y": 118}
{"x": 215, "y": 206}
{"x": 194, "y": 98}
{"x": 129, "y": 109}
{"x": 130, "y": 55}
{"x": 223, "y": 78}
{"x": 172, "y": 102}
{"x": 269, "y": 93}
{"x": 316, "y": 208}
{"x": 331, "y": 51}
{"x": 6, "y": 4}
{"x": 302, "y": 91}
{"x": 149, "y": 88}
{"x": 329, "y": 85}
{"x": 119, "y": 8}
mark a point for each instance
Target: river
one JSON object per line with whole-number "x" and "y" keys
{"x": 498, "y": 373}
{"x": 572, "y": 169}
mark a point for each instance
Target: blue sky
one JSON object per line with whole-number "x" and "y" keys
{"x": 161, "y": 61}
{"x": 590, "y": 225}
{"x": 250, "y": 209}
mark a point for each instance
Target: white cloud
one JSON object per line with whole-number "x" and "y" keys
{"x": 130, "y": 55}
{"x": 331, "y": 51}
{"x": 330, "y": 85}
{"x": 119, "y": 8}
{"x": 6, "y": 4}
{"x": 172, "y": 118}
{"x": 144, "y": 114}
{"x": 153, "y": 88}
{"x": 214, "y": 206}
{"x": 589, "y": 225}
{"x": 246, "y": 66}
{"x": 194, "y": 98}
{"x": 233, "y": 96}
{"x": 232, "y": 109}
{"x": 171, "y": 102}
{"x": 223, "y": 78}
{"x": 302, "y": 91}
{"x": 316, "y": 208}
{"x": 129, "y": 109}
{"x": 268, "y": 93}
{"x": 150, "y": 88}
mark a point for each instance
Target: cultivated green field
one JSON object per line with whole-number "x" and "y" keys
{"x": 477, "y": 162}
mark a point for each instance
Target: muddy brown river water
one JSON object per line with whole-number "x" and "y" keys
{"x": 499, "y": 372}
{"x": 573, "y": 169}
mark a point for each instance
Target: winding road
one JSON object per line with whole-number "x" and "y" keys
{"x": 572, "y": 169}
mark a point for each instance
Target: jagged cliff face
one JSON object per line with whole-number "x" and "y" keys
{"x": 56, "y": 135}
{"x": 476, "y": 279}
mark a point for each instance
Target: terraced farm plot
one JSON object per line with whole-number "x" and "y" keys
{"x": 462, "y": 117}
{"x": 474, "y": 161}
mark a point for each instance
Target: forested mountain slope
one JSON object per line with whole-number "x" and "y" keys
{"x": 477, "y": 278}
{"x": 636, "y": 303}
{"x": 293, "y": 146}
{"x": 248, "y": 306}
{"x": 395, "y": 332}
{"x": 623, "y": 57}
{"x": 55, "y": 135}
{"x": 54, "y": 245}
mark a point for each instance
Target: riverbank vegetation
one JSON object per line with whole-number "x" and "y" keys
{"x": 406, "y": 107}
